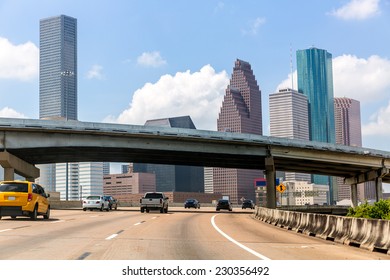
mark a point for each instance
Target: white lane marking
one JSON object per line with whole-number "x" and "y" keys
{"x": 112, "y": 236}
{"x": 260, "y": 256}
{"x": 59, "y": 221}
{"x": 7, "y": 229}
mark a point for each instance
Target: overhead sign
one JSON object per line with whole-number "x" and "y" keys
{"x": 281, "y": 188}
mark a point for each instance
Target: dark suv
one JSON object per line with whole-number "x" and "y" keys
{"x": 224, "y": 204}
{"x": 247, "y": 203}
{"x": 112, "y": 202}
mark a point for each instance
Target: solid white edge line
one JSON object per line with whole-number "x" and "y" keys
{"x": 7, "y": 229}
{"x": 260, "y": 256}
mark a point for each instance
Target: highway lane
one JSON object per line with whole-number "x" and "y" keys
{"x": 127, "y": 234}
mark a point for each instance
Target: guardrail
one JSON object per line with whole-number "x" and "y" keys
{"x": 370, "y": 234}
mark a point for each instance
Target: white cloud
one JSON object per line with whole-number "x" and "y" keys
{"x": 198, "y": 95}
{"x": 365, "y": 80}
{"x": 379, "y": 123}
{"x": 254, "y": 26}
{"x": 11, "y": 113}
{"x": 151, "y": 59}
{"x": 287, "y": 83}
{"x": 357, "y": 10}
{"x": 95, "y": 72}
{"x": 19, "y": 62}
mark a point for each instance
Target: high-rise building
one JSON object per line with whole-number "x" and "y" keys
{"x": 315, "y": 80}
{"x": 240, "y": 113}
{"x": 58, "y": 68}
{"x": 288, "y": 112}
{"x": 349, "y": 132}
{"x": 178, "y": 178}
{"x": 58, "y": 100}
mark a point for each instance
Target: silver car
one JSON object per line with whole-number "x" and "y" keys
{"x": 96, "y": 202}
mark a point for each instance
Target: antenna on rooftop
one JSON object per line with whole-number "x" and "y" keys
{"x": 292, "y": 68}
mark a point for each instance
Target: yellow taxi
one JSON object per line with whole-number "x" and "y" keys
{"x": 23, "y": 198}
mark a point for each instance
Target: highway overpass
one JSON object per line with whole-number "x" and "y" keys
{"x": 27, "y": 142}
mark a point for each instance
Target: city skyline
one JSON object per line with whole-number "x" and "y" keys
{"x": 142, "y": 52}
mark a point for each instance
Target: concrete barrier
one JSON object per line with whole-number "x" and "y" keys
{"x": 370, "y": 234}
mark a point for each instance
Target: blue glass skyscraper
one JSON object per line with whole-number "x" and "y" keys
{"x": 58, "y": 68}
{"x": 315, "y": 80}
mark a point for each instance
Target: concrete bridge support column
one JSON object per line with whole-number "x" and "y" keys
{"x": 354, "y": 196}
{"x": 270, "y": 175}
{"x": 9, "y": 174}
{"x": 378, "y": 188}
{"x": 13, "y": 164}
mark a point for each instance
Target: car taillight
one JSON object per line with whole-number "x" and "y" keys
{"x": 97, "y": 202}
{"x": 29, "y": 197}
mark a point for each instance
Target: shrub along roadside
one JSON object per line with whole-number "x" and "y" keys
{"x": 379, "y": 210}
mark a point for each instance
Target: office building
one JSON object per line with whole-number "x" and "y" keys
{"x": 58, "y": 68}
{"x": 240, "y": 113}
{"x": 174, "y": 178}
{"x": 349, "y": 132}
{"x": 58, "y": 101}
{"x": 288, "y": 112}
{"x": 315, "y": 80}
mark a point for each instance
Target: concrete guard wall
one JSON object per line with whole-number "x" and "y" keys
{"x": 370, "y": 234}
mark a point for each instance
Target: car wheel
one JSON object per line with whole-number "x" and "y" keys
{"x": 34, "y": 214}
{"x": 147, "y": 210}
{"x": 47, "y": 215}
{"x": 84, "y": 209}
{"x": 142, "y": 210}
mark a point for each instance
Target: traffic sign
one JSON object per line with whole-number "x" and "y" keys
{"x": 281, "y": 188}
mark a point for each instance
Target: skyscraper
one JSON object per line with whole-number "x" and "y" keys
{"x": 58, "y": 100}
{"x": 58, "y": 68}
{"x": 177, "y": 178}
{"x": 241, "y": 113}
{"x": 315, "y": 80}
{"x": 349, "y": 132}
{"x": 288, "y": 112}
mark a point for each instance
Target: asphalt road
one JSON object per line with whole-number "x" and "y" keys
{"x": 181, "y": 234}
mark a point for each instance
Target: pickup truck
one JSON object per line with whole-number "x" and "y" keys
{"x": 154, "y": 201}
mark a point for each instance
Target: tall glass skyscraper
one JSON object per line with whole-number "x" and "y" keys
{"x": 58, "y": 68}
{"x": 315, "y": 80}
{"x": 241, "y": 113}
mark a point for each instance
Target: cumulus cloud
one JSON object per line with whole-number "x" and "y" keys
{"x": 11, "y": 113}
{"x": 379, "y": 123}
{"x": 197, "y": 94}
{"x": 254, "y": 26}
{"x": 288, "y": 83}
{"x": 19, "y": 62}
{"x": 96, "y": 72}
{"x": 357, "y": 10}
{"x": 363, "y": 79}
{"x": 151, "y": 59}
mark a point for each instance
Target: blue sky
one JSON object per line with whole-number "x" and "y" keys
{"x": 140, "y": 60}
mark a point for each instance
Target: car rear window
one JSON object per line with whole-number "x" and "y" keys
{"x": 14, "y": 187}
{"x": 153, "y": 195}
{"x": 93, "y": 197}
